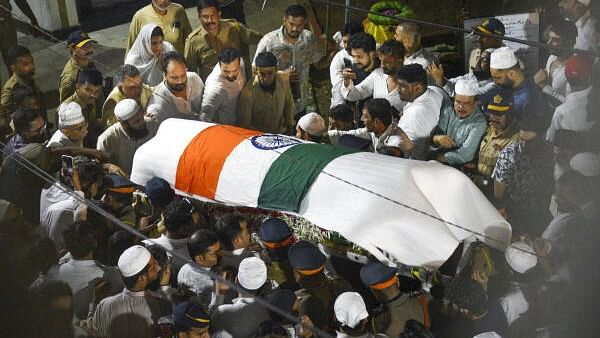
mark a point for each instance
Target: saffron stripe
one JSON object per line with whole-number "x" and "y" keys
{"x": 200, "y": 164}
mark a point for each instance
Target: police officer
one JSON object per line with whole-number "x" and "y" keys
{"x": 396, "y": 307}
{"x": 81, "y": 49}
{"x": 276, "y": 238}
{"x": 204, "y": 44}
{"x": 88, "y": 94}
{"x": 23, "y": 69}
{"x": 171, "y": 17}
{"x": 118, "y": 198}
{"x": 8, "y": 31}
{"x": 309, "y": 271}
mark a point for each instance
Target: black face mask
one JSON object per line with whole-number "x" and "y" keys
{"x": 136, "y": 134}
{"x": 177, "y": 87}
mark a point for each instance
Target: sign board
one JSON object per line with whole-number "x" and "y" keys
{"x": 524, "y": 26}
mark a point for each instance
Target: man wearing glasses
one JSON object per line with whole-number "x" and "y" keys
{"x": 72, "y": 127}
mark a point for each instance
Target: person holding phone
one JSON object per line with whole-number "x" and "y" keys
{"x": 341, "y": 60}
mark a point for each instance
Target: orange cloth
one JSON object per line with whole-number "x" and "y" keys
{"x": 201, "y": 163}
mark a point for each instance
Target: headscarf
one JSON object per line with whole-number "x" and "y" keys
{"x": 141, "y": 56}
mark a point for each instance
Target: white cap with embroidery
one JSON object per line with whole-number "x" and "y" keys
{"x": 312, "y": 123}
{"x": 503, "y": 58}
{"x": 350, "y": 309}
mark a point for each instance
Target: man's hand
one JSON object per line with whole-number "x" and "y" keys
{"x": 348, "y": 76}
{"x": 541, "y": 247}
{"x": 145, "y": 224}
{"x": 444, "y": 141}
{"x": 540, "y": 78}
{"x": 97, "y": 154}
{"x": 165, "y": 277}
{"x": 437, "y": 73}
{"x": 441, "y": 158}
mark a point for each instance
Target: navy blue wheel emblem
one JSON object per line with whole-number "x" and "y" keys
{"x": 272, "y": 141}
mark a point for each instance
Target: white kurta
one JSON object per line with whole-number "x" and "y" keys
{"x": 375, "y": 85}
{"x": 163, "y": 104}
{"x": 422, "y": 115}
{"x": 219, "y": 102}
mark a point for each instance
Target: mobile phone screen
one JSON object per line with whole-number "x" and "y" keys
{"x": 347, "y": 63}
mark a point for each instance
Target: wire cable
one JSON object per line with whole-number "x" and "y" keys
{"x": 535, "y": 44}
{"x": 36, "y": 170}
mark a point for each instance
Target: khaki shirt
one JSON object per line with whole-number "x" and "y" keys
{"x": 68, "y": 78}
{"x": 120, "y": 148}
{"x": 95, "y": 125}
{"x": 201, "y": 55}
{"x": 7, "y": 105}
{"x": 116, "y": 96}
{"x": 265, "y": 111}
{"x": 492, "y": 144}
{"x": 175, "y": 24}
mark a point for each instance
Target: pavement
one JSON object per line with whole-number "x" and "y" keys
{"x": 50, "y": 57}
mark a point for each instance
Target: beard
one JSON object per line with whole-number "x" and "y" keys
{"x": 388, "y": 71}
{"x": 155, "y": 284}
{"x": 268, "y": 88}
{"x": 231, "y": 79}
{"x": 293, "y": 35}
{"x": 136, "y": 134}
{"x": 505, "y": 85}
{"x": 176, "y": 87}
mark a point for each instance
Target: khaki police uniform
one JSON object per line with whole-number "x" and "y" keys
{"x": 95, "y": 125}
{"x": 116, "y": 96}
{"x": 68, "y": 78}
{"x": 7, "y": 105}
{"x": 175, "y": 24}
{"x": 8, "y": 31}
{"x": 201, "y": 51}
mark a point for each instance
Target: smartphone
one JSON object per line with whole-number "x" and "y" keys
{"x": 347, "y": 63}
{"x": 436, "y": 60}
{"x": 67, "y": 165}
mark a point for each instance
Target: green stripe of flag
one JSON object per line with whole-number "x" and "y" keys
{"x": 292, "y": 174}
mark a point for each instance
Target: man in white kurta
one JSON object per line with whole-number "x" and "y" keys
{"x": 180, "y": 93}
{"x": 223, "y": 88}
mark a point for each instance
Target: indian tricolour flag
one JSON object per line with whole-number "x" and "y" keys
{"x": 416, "y": 211}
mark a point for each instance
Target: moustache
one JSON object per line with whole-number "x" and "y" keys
{"x": 177, "y": 87}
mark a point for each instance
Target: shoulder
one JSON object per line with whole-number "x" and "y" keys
{"x": 69, "y": 66}
{"x": 142, "y": 12}
{"x": 231, "y": 23}
{"x": 195, "y": 34}
{"x": 270, "y": 36}
{"x": 177, "y": 8}
{"x": 10, "y": 83}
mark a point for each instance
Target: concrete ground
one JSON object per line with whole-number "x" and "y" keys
{"x": 51, "y": 57}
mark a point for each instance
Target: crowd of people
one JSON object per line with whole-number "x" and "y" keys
{"x": 530, "y": 143}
